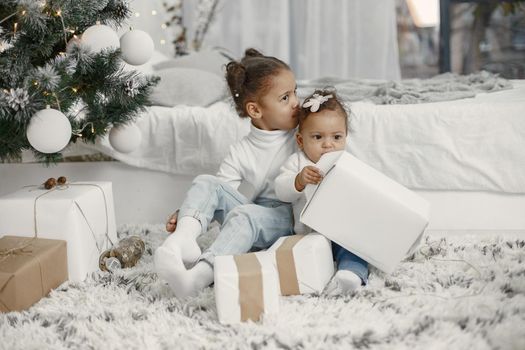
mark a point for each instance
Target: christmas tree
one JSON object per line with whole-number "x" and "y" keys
{"x": 45, "y": 62}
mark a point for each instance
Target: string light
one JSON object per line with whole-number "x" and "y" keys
{"x": 15, "y": 26}
{"x": 74, "y": 89}
{"x": 78, "y": 132}
{"x": 164, "y": 26}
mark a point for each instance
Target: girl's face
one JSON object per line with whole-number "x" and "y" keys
{"x": 322, "y": 132}
{"x": 277, "y": 110}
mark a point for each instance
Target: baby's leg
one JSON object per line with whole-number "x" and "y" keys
{"x": 352, "y": 272}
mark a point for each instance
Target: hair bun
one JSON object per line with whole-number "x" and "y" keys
{"x": 251, "y": 52}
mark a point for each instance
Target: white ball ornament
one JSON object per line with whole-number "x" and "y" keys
{"x": 125, "y": 138}
{"x": 137, "y": 47}
{"x": 49, "y": 131}
{"x": 99, "y": 37}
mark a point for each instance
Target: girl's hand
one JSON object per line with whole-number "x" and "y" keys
{"x": 171, "y": 224}
{"x": 309, "y": 175}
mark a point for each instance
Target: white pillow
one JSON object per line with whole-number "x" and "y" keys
{"x": 187, "y": 86}
{"x": 210, "y": 60}
{"x": 147, "y": 68}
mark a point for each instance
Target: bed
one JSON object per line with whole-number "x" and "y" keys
{"x": 466, "y": 155}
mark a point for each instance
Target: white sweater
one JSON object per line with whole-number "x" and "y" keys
{"x": 285, "y": 188}
{"x": 256, "y": 159}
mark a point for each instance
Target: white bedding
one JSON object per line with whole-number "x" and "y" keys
{"x": 469, "y": 144}
{"x": 183, "y": 140}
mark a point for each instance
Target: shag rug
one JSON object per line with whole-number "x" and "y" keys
{"x": 457, "y": 292}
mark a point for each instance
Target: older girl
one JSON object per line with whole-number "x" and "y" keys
{"x": 263, "y": 89}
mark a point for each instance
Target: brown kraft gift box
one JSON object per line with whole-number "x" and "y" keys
{"x": 29, "y": 269}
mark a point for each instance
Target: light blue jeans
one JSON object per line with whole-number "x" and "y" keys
{"x": 346, "y": 260}
{"x": 244, "y": 224}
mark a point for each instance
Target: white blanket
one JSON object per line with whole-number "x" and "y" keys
{"x": 468, "y": 144}
{"x": 183, "y": 140}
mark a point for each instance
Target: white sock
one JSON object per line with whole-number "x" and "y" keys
{"x": 184, "y": 239}
{"x": 343, "y": 282}
{"x": 184, "y": 283}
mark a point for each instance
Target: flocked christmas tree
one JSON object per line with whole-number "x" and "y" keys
{"x": 56, "y": 81}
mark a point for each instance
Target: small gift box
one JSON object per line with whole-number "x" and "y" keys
{"x": 29, "y": 269}
{"x": 304, "y": 263}
{"x": 364, "y": 211}
{"x": 246, "y": 287}
{"x": 81, "y": 213}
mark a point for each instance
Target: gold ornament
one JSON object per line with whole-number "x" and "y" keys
{"x": 128, "y": 252}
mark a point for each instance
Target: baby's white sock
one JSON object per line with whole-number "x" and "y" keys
{"x": 343, "y": 282}
{"x": 184, "y": 239}
{"x": 184, "y": 283}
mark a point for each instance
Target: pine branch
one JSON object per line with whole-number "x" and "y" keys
{"x": 36, "y": 71}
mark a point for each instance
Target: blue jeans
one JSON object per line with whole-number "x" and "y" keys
{"x": 346, "y": 260}
{"x": 244, "y": 224}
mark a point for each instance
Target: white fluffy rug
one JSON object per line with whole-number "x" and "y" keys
{"x": 461, "y": 292}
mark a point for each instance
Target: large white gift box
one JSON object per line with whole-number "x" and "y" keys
{"x": 81, "y": 213}
{"x": 364, "y": 211}
{"x": 246, "y": 287}
{"x": 304, "y": 263}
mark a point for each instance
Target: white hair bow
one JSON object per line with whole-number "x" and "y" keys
{"x": 316, "y": 101}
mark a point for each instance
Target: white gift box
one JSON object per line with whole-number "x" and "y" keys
{"x": 304, "y": 263}
{"x": 245, "y": 289}
{"x": 81, "y": 213}
{"x": 364, "y": 211}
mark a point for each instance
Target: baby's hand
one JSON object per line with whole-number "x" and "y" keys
{"x": 171, "y": 224}
{"x": 309, "y": 175}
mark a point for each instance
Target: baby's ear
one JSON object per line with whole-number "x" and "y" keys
{"x": 253, "y": 110}
{"x": 299, "y": 139}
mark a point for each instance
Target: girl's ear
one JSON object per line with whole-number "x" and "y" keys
{"x": 253, "y": 110}
{"x": 299, "y": 139}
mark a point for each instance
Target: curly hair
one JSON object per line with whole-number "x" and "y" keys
{"x": 333, "y": 103}
{"x": 250, "y": 78}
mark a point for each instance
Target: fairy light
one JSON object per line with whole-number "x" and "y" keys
{"x": 153, "y": 12}
{"x": 163, "y": 26}
{"x": 74, "y": 89}
{"x": 15, "y": 26}
{"x": 78, "y": 132}
{"x": 59, "y": 15}
{"x": 162, "y": 41}
{"x": 137, "y": 14}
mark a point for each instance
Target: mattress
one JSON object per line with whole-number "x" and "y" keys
{"x": 473, "y": 144}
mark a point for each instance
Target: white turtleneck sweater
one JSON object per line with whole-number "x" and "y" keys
{"x": 286, "y": 191}
{"x": 256, "y": 159}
